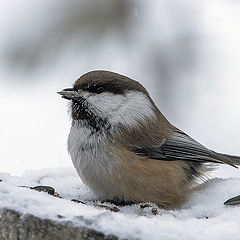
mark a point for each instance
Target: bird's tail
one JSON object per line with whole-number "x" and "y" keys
{"x": 235, "y": 160}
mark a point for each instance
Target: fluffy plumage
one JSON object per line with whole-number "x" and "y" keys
{"x": 125, "y": 150}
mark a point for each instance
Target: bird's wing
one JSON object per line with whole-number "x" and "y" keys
{"x": 182, "y": 147}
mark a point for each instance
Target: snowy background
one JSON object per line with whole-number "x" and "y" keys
{"x": 185, "y": 53}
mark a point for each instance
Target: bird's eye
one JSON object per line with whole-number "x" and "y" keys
{"x": 96, "y": 89}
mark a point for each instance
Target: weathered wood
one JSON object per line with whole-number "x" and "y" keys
{"x": 17, "y": 226}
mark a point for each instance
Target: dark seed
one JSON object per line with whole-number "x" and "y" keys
{"x": 154, "y": 211}
{"x": 145, "y": 205}
{"x": 233, "y": 201}
{"x": 112, "y": 209}
{"x": 77, "y": 201}
{"x": 47, "y": 189}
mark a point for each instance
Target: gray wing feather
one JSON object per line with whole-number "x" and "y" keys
{"x": 182, "y": 147}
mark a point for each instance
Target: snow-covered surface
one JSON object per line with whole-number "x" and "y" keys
{"x": 203, "y": 217}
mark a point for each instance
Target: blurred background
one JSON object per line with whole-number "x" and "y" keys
{"x": 186, "y": 53}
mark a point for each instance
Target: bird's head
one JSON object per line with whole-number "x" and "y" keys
{"x": 104, "y": 99}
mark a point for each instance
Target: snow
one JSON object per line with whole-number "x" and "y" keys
{"x": 204, "y": 216}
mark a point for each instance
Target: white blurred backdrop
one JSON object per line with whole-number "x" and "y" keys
{"x": 185, "y": 53}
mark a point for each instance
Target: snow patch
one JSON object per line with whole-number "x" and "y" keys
{"x": 203, "y": 217}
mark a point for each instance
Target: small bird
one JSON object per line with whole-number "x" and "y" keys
{"x": 125, "y": 150}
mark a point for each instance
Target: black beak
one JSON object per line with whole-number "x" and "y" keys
{"x": 68, "y": 93}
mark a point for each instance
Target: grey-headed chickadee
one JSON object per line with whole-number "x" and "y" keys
{"x": 124, "y": 149}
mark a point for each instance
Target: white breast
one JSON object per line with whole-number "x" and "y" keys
{"x": 91, "y": 156}
{"x": 91, "y": 152}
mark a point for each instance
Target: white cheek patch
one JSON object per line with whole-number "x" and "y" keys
{"x": 106, "y": 102}
{"x": 126, "y": 109}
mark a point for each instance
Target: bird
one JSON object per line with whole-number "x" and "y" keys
{"x": 125, "y": 150}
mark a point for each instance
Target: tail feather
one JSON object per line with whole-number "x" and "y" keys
{"x": 235, "y": 160}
